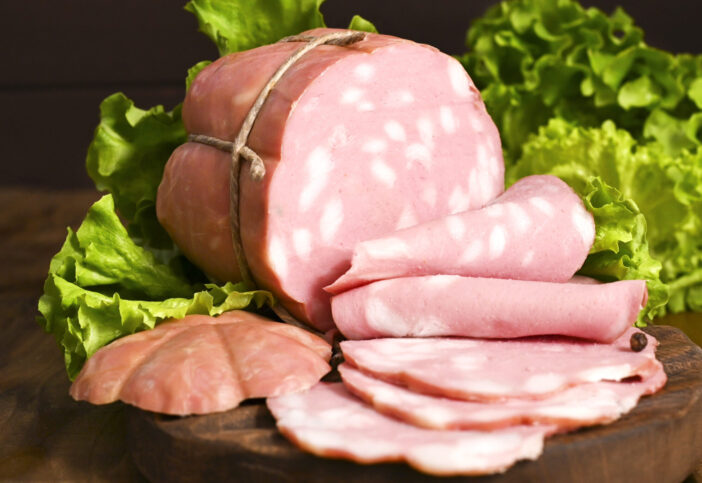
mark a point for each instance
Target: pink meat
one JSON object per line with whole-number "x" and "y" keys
{"x": 203, "y": 364}
{"x": 537, "y": 230}
{"x": 517, "y": 368}
{"x": 449, "y": 305}
{"x": 357, "y": 142}
{"x": 583, "y": 405}
{"x": 327, "y": 421}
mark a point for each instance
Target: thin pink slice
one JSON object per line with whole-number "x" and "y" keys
{"x": 328, "y": 421}
{"x": 490, "y": 370}
{"x": 583, "y": 405}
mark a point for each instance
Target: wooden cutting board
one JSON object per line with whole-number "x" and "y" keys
{"x": 659, "y": 441}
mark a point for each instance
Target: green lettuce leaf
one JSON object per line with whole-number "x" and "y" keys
{"x": 621, "y": 251}
{"x": 538, "y": 59}
{"x": 360, "y": 23}
{"x": 235, "y": 25}
{"x": 667, "y": 189}
{"x": 102, "y": 286}
{"x": 127, "y": 157}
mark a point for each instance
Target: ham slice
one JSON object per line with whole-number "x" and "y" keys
{"x": 538, "y": 229}
{"x": 582, "y": 405}
{"x": 449, "y": 305}
{"x": 384, "y": 122}
{"x": 328, "y": 421}
{"x": 491, "y": 370}
{"x": 203, "y": 364}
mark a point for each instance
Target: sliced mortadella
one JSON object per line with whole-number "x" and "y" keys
{"x": 538, "y": 229}
{"x": 328, "y": 421}
{"x": 384, "y": 122}
{"x": 450, "y": 305}
{"x": 203, "y": 364}
{"x": 582, "y": 405}
{"x": 491, "y": 370}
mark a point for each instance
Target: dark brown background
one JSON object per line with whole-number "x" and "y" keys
{"x": 60, "y": 58}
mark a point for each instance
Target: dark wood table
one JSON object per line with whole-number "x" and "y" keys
{"x": 44, "y": 434}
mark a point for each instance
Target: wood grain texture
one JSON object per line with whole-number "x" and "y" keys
{"x": 243, "y": 444}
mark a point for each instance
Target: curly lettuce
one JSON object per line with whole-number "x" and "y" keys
{"x": 666, "y": 189}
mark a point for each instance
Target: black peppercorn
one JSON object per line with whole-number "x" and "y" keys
{"x": 638, "y": 342}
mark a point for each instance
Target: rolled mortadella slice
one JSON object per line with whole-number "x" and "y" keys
{"x": 450, "y": 305}
{"x": 537, "y": 230}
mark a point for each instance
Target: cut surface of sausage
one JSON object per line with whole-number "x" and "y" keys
{"x": 538, "y": 229}
{"x": 357, "y": 142}
{"x": 450, "y": 305}
{"x": 532, "y": 367}
{"x": 582, "y": 405}
{"x": 328, "y": 421}
{"x": 203, "y": 364}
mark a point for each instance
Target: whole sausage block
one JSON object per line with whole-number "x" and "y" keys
{"x": 357, "y": 142}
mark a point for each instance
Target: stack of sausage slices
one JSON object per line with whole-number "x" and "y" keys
{"x": 470, "y": 340}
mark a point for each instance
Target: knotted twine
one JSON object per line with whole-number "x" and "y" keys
{"x": 257, "y": 169}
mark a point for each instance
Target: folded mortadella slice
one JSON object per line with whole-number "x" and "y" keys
{"x": 450, "y": 305}
{"x": 582, "y": 405}
{"x": 491, "y": 370}
{"x": 328, "y": 421}
{"x": 538, "y": 229}
{"x": 203, "y": 364}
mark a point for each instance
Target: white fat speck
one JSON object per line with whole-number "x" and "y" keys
{"x": 498, "y": 240}
{"x": 366, "y": 106}
{"x": 426, "y": 131}
{"x": 417, "y": 152}
{"x": 429, "y": 195}
{"x": 339, "y": 136}
{"x": 381, "y": 317}
{"x": 487, "y": 187}
{"x": 473, "y": 183}
{"x": 468, "y": 361}
{"x": 430, "y": 326}
{"x": 472, "y": 252}
{"x": 543, "y": 383}
{"x": 583, "y": 223}
{"x": 302, "y": 242}
{"x": 278, "y": 257}
{"x": 448, "y": 121}
{"x": 542, "y": 205}
{"x": 441, "y": 281}
{"x": 528, "y": 258}
{"x": 477, "y": 124}
{"x": 364, "y": 72}
{"x": 518, "y": 217}
{"x": 606, "y": 373}
{"x": 383, "y": 173}
{"x": 482, "y": 155}
{"x": 400, "y": 98}
{"x": 395, "y": 131}
{"x": 387, "y": 248}
{"x": 458, "y": 201}
{"x": 351, "y": 95}
{"x": 407, "y": 218}
{"x": 494, "y": 211}
{"x": 459, "y": 78}
{"x": 374, "y": 146}
{"x": 319, "y": 165}
{"x": 456, "y": 227}
{"x": 331, "y": 219}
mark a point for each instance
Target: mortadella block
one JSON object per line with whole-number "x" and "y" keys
{"x": 328, "y": 421}
{"x": 450, "y": 305}
{"x": 538, "y": 229}
{"x": 203, "y": 364}
{"x": 577, "y": 406}
{"x": 493, "y": 370}
{"x": 357, "y": 141}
